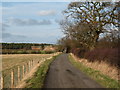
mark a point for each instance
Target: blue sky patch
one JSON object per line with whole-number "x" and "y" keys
{"x": 32, "y": 22}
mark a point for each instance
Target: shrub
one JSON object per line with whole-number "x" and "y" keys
{"x": 42, "y": 52}
{"x": 49, "y": 52}
{"x": 33, "y": 52}
{"x": 79, "y": 52}
{"x": 103, "y": 54}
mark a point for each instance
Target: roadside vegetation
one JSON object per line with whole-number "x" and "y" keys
{"x": 92, "y": 33}
{"x": 89, "y": 33}
{"x": 38, "y": 79}
{"x": 97, "y": 75}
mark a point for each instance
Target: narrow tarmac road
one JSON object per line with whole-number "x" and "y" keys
{"x": 62, "y": 74}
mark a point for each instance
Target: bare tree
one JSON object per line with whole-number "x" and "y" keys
{"x": 85, "y": 21}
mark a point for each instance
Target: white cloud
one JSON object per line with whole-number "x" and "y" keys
{"x": 46, "y": 12}
{"x": 3, "y": 26}
{"x": 36, "y": 19}
{"x": 9, "y": 35}
{"x": 27, "y": 22}
{"x": 39, "y": 0}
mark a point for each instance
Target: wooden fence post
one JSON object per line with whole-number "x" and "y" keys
{"x": 12, "y": 79}
{"x": 23, "y": 69}
{"x": 29, "y": 65}
{"x": 32, "y": 63}
{"x": 18, "y": 73}
{"x": 26, "y": 68}
{"x": 118, "y": 75}
{"x": 1, "y": 80}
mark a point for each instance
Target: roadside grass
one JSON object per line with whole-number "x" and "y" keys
{"x": 102, "y": 79}
{"x": 38, "y": 79}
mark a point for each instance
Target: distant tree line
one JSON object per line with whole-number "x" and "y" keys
{"x": 26, "y": 46}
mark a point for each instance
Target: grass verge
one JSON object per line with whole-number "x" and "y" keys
{"x": 37, "y": 80}
{"x": 102, "y": 79}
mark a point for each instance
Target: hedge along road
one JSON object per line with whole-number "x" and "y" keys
{"x": 62, "y": 74}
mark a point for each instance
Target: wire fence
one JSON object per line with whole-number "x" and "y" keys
{"x": 11, "y": 78}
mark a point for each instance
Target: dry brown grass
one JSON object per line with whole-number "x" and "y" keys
{"x": 103, "y": 67}
{"x": 10, "y": 60}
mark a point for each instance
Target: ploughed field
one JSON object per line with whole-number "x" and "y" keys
{"x": 11, "y": 60}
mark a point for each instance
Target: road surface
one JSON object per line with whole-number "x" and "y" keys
{"x": 62, "y": 74}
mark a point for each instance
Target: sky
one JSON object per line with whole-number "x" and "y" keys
{"x": 32, "y": 22}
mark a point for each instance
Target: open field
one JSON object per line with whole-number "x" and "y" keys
{"x": 9, "y": 61}
{"x": 15, "y": 67}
